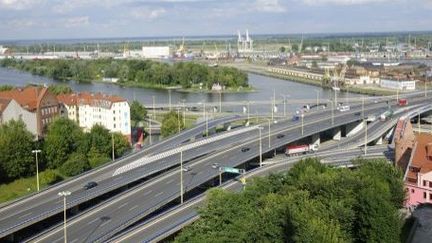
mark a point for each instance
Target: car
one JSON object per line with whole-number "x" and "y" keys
{"x": 186, "y": 168}
{"x": 215, "y": 165}
{"x": 245, "y": 149}
{"x": 357, "y": 113}
{"x": 295, "y": 118}
{"x": 280, "y": 136}
{"x": 90, "y": 185}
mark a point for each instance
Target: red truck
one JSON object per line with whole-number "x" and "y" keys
{"x": 300, "y": 149}
{"x": 403, "y": 102}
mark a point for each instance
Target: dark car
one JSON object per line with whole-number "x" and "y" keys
{"x": 357, "y": 114}
{"x": 280, "y": 136}
{"x": 295, "y": 118}
{"x": 90, "y": 185}
{"x": 245, "y": 149}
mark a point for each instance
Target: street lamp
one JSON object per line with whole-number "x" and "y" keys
{"x": 269, "y": 132}
{"x": 220, "y": 101}
{"x": 302, "y": 123}
{"x": 169, "y": 98}
{"x": 181, "y": 176}
{"x": 112, "y": 145}
{"x": 64, "y": 194}
{"x": 332, "y": 113}
{"x": 366, "y": 135}
{"x": 150, "y": 128}
{"x": 260, "y": 146}
{"x": 285, "y": 98}
{"x": 36, "y": 151}
{"x": 317, "y": 97}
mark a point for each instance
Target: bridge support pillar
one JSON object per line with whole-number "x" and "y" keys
{"x": 353, "y": 128}
{"x": 316, "y": 139}
{"x": 227, "y": 126}
{"x": 337, "y": 134}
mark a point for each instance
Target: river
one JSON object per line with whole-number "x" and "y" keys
{"x": 265, "y": 86}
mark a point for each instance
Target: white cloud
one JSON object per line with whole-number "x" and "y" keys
{"x": 147, "y": 13}
{"x": 268, "y": 6}
{"x": 76, "y": 21}
{"x": 18, "y": 4}
{"x": 342, "y": 2}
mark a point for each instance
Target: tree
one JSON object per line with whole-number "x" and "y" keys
{"x": 58, "y": 89}
{"x": 63, "y": 138}
{"x": 282, "y": 49}
{"x": 121, "y": 145}
{"x": 171, "y": 124}
{"x": 75, "y": 165}
{"x": 16, "y": 158}
{"x": 100, "y": 140}
{"x": 138, "y": 112}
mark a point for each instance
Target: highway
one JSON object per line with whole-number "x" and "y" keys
{"x": 158, "y": 228}
{"x": 12, "y": 215}
{"x": 131, "y": 206}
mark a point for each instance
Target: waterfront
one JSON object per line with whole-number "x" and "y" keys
{"x": 264, "y": 86}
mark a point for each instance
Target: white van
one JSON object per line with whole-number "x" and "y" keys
{"x": 344, "y": 108}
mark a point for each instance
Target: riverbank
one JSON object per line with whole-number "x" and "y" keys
{"x": 262, "y": 70}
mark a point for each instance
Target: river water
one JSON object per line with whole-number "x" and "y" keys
{"x": 265, "y": 86}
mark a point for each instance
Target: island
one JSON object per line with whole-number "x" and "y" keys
{"x": 187, "y": 76}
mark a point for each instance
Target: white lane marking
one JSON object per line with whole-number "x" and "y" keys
{"x": 148, "y": 192}
{"x": 132, "y": 208}
{"x": 124, "y": 204}
{"x": 75, "y": 240}
{"x": 94, "y": 220}
{"x": 169, "y": 182}
{"x": 25, "y": 215}
{"x": 157, "y": 195}
{"x": 106, "y": 222}
{"x": 58, "y": 240}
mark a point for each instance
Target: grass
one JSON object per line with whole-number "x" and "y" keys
{"x": 21, "y": 187}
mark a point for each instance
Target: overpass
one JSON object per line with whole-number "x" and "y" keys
{"x": 171, "y": 221}
{"x": 138, "y": 203}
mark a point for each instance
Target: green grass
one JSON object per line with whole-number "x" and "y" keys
{"x": 21, "y": 187}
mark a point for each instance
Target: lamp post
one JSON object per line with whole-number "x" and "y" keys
{"x": 332, "y": 113}
{"x": 36, "y": 151}
{"x": 112, "y": 145}
{"x": 181, "y": 176}
{"x": 178, "y": 119}
{"x": 260, "y": 146}
{"x": 150, "y": 129}
{"x": 184, "y": 113}
{"x": 220, "y": 101}
{"x": 285, "y": 99}
{"x": 269, "y": 132}
{"x": 317, "y": 97}
{"x": 366, "y": 135}
{"x": 363, "y": 102}
{"x": 248, "y": 112}
{"x": 64, "y": 194}
{"x": 302, "y": 123}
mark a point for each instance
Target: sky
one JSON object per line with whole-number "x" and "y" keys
{"x": 65, "y": 19}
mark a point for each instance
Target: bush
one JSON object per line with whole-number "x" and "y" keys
{"x": 98, "y": 160}
{"x": 49, "y": 177}
{"x": 76, "y": 164}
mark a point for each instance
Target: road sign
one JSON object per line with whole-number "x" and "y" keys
{"x": 231, "y": 170}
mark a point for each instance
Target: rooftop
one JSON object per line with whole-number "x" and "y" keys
{"x": 422, "y": 158}
{"x": 86, "y": 98}
{"x": 27, "y": 97}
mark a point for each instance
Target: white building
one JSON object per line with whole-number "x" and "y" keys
{"x": 398, "y": 84}
{"x": 3, "y": 50}
{"x": 155, "y": 51}
{"x": 112, "y": 112}
{"x": 11, "y": 110}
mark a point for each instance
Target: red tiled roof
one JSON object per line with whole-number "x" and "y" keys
{"x": 420, "y": 161}
{"x": 28, "y": 97}
{"x": 4, "y": 102}
{"x": 97, "y": 99}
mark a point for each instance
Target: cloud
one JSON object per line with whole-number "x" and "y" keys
{"x": 18, "y": 4}
{"x": 147, "y": 13}
{"x": 76, "y": 21}
{"x": 342, "y": 2}
{"x": 272, "y": 6}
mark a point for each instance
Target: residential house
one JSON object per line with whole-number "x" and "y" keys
{"x": 87, "y": 109}
{"x": 38, "y": 109}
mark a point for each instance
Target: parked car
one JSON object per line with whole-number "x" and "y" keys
{"x": 280, "y": 136}
{"x": 186, "y": 168}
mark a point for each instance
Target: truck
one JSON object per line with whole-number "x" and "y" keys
{"x": 386, "y": 115}
{"x": 371, "y": 118}
{"x": 403, "y": 102}
{"x": 300, "y": 149}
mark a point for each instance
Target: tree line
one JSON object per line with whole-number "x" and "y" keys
{"x": 133, "y": 72}
{"x": 310, "y": 203}
{"x": 66, "y": 149}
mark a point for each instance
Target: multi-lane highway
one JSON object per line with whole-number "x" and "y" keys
{"x": 17, "y": 214}
{"x": 129, "y": 207}
{"x": 160, "y": 227}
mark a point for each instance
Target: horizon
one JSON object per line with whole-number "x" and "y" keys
{"x": 114, "y": 19}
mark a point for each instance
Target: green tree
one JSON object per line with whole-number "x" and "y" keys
{"x": 16, "y": 158}
{"x": 282, "y": 49}
{"x": 75, "y": 165}
{"x": 172, "y": 122}
{"x": 121, "y": 145}
{"x": 58, "y": 89}
{"x": 63, "y": 138}
{"x": 138, "y": 112}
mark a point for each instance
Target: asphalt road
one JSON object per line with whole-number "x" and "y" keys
{"x": 171, "y": 221}
{"x": 17, "y": 215}
{"x": 137, "y": 203}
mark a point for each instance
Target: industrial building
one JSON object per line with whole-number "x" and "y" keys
{"x": 155, "y": 52}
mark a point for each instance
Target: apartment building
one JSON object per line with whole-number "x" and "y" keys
{"x": 87, "y": 109}
{"x": 35, "y": 106}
